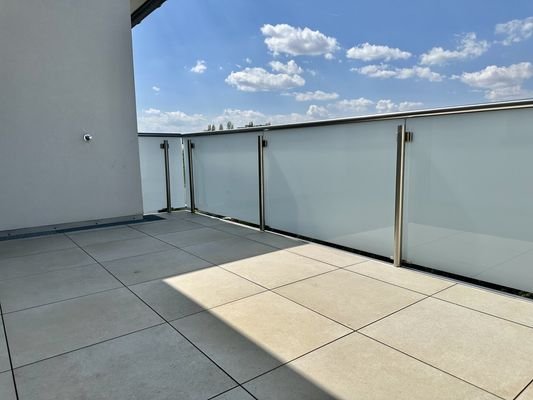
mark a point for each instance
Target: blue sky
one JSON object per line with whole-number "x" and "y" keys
{"x": 199, "y": 62}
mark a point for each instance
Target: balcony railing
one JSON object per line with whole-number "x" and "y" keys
{"x": 446, "y": 189}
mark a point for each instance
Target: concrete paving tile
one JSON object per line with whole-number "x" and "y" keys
{"x": 356, "y": 367}
{"x": 108, "y": 251}
{"x": 155, "y": 364}
{"x": 498, "y": 304}
{"x": 328, "y": 255}
{"x": 47, "y": 331}
{"x": 279, "y": 268}
{"x": 224, "y": 251}
{"x": 486, "y": 351}
{"x": 185, "y": 294}
{"x": 7, "y": 389}
{"x": 24, "y": 247}
{"x": 194, "y": 236}
{"x": 147, "y": 267}
{"x": 409, "y": 279}
{"x": 92, "y": 236}
{"x": 253, "y": 335}
{"x": 349, "y": 298}
{"x": 18, "y": 294}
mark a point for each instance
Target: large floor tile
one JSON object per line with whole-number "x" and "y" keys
{"x": 185, "y": 294}
{"x": 18, "y": 294}
{"x": 4, "y": 356}
{"x": 234, "y": 394}
{"x": 108, "y": 251}
{"x": 349, "y": 298}
{"x": 356, "y": 367}
{"x": 278, "y": 268}
{"x": 24, "y": 247}
{"x": 203, "y": 220}
{"x": 224, "y": 251}
{"x": 527, "y": 394}
{"x": 489, "y": 352}
{"x": 7, "y": 389}
{"x": 328, "y": 255}
{"x": 194, "y": 236}
{"x": 92, "y": 236}
{"x": 167, "y": 226}
{"x": 500, "y": 305}
{"x": 152, "y": 266}
{"x": 253, "y": 335}
{"x": 17, "y": 267}
{"x": 155, "y": 364}
{"x": 46, "y": 331}
{"x": 278, "y": 241}
{"x": 414, "y": 280}
{"x": 234, "y": 229}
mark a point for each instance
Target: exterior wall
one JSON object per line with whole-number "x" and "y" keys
{"x": 66, "y": 67}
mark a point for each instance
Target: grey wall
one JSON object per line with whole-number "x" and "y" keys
{"x": 65, "y": 67}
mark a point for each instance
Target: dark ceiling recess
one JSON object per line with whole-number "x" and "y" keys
{"x": 143, "y": 11}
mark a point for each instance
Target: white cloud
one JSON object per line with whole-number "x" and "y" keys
{"x": 317, "y": 112}
{"x": 500, "y": 82}
{"x": 516, "y": 30}
{"x": 317, "y": 95}
{"x": 384, "y": 71}
{"x": 283, "y": 38}
{"x": 469, "y": 47}
{"x": 154, "y": 120}
{"x": 248, "y": 60}
{"x": 156, "y": 89}
{"x": 352, "y": 106}
{"x": 388, "y": 106}
{"x": 200, "y": 67}
{"x": 258, "y": 79}
{"x": 290, "y": 68}
{"x": 370, "y": 52}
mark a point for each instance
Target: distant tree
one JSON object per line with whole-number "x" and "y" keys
{"x": 213, "y": 128}
{"x": 229, "y": 125}
{"x": 209, "y": 128}
{"x": 221, "y": 127}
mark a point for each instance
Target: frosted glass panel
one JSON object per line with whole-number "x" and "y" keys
{"x": 334, "y": 183}
{"x": 469, "y": 196}
{"x": 153, "y": 173}
{"x": 225, "y": 171}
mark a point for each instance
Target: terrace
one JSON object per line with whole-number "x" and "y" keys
{"x": 375, "y": 257}
{"x": 193, "y": 307}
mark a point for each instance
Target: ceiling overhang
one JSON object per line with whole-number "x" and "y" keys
{"x": 140, "y": 9}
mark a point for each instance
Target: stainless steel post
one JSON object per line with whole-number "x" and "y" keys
{"x": 190, "y": 146}
{"x": 261, "y": 168}
{"x": 165, "y": 147}
{"x": 400, "y": 178}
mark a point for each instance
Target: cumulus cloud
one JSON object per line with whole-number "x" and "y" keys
{"x": 500, "y": 82}
{"x": 371, "y": 52}
{"x": 468, "y": 47}
{"x": 248, "y": 60}
{"x": 388, "y": 106}
{"x": 384, "y": 71}
{"x": 515, "y": 31}
{"x": 317, "y": 95}
{"x": 154, "y": 120}
{"x": 258, "y": 79}
{"x": 317, "y": 112}
{"x": 290, "y": 68}
{"x": 200, "y": 67}
{"x": 156, "y": 89}
{"x": 352, "y": 105}
{"x": 286, "y": 39}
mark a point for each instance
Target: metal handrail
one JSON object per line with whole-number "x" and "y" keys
{"x": 509, "y": 105}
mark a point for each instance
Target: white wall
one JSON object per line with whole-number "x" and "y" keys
{"x": 65, "y": 67}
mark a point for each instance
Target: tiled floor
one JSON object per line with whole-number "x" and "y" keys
{"x": 192, "y": 307}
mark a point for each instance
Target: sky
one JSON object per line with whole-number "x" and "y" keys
{"x": 203, "y": 62}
